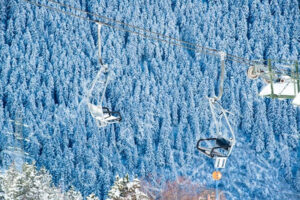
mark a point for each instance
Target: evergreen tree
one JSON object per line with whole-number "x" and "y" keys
{"x": 247, "y": 110}
{"x": 270, "y": 143}
{"x": 260, "y": 129}
{"x": 2, "y": 193}
{"x": 124, "y": 189}
{"x": 72, "y": 194}
{"x": 92, "y": 197}
{"x": 46, "y": 57}
{"x": 9, "y": 182}
{"x": 32, "y": 185}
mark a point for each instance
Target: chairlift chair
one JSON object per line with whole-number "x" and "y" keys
{"x": 220, "y": 143}
{"x": 220, "y": 151}
{"x": 102, "y": 115}
{"x": 283, "y": 89}
{"x": 222, "y": 147}
{"x": 282, "y": 83}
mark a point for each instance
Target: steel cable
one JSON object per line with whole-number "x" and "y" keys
{"x": 121, "y": 29}
{"x": 155, "y": 33}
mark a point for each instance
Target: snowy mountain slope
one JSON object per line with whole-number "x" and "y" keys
{"x": 47, "y": 60}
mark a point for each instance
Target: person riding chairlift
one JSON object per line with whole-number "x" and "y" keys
{"x": 221, "y": 143}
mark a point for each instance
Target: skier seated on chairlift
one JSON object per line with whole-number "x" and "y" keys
{"x": 103, "y": 114}
{"x": 221, "y": 143}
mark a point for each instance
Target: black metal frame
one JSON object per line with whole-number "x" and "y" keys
{"x": 110, "y": 113}
{"x": 213, "y": 153}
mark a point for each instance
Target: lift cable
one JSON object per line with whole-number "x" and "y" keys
{"x": 131, "y": 26}
{"x": 203, "y": 50}
{"x": 147, "y": 31}
{"x": 118, "y": 28}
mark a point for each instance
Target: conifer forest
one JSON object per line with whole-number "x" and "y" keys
{"x": 160, "y": 62}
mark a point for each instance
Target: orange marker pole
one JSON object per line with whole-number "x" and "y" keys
{"x": 217, "y": 175}
{"x": 217, "y": 195}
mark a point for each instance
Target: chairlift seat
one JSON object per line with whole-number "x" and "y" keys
{"x": 113, "y": 115}
{"x": 286, "y": 89}
{"x": 205, "y": 150}
{"x": 96, "y": 111}
{"x": 103, "y": 115}
{"x": 221, "y": 144}
{"x": 107, "y": 117}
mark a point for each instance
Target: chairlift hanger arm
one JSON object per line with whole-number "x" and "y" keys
{"x": 211, "y": 102}
{"x": 222, "y": 75}
{"x": 221, "y": 81}
{"x": 99, "y": 43}
{"x": 213, "y": 106}
{"x": 229, "y": 125}
{"x": 100, "y": 72}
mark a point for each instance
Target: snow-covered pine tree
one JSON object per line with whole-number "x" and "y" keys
{"x": 1, "y": 189}
{"x": 92, "y": 197}
{"x": 123, "y": 189}
{"x": 45, "y": 180}
{"x": 72, "y": 194}
{"x": 9, "y": 180}
{"x": 31, "y": 184}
